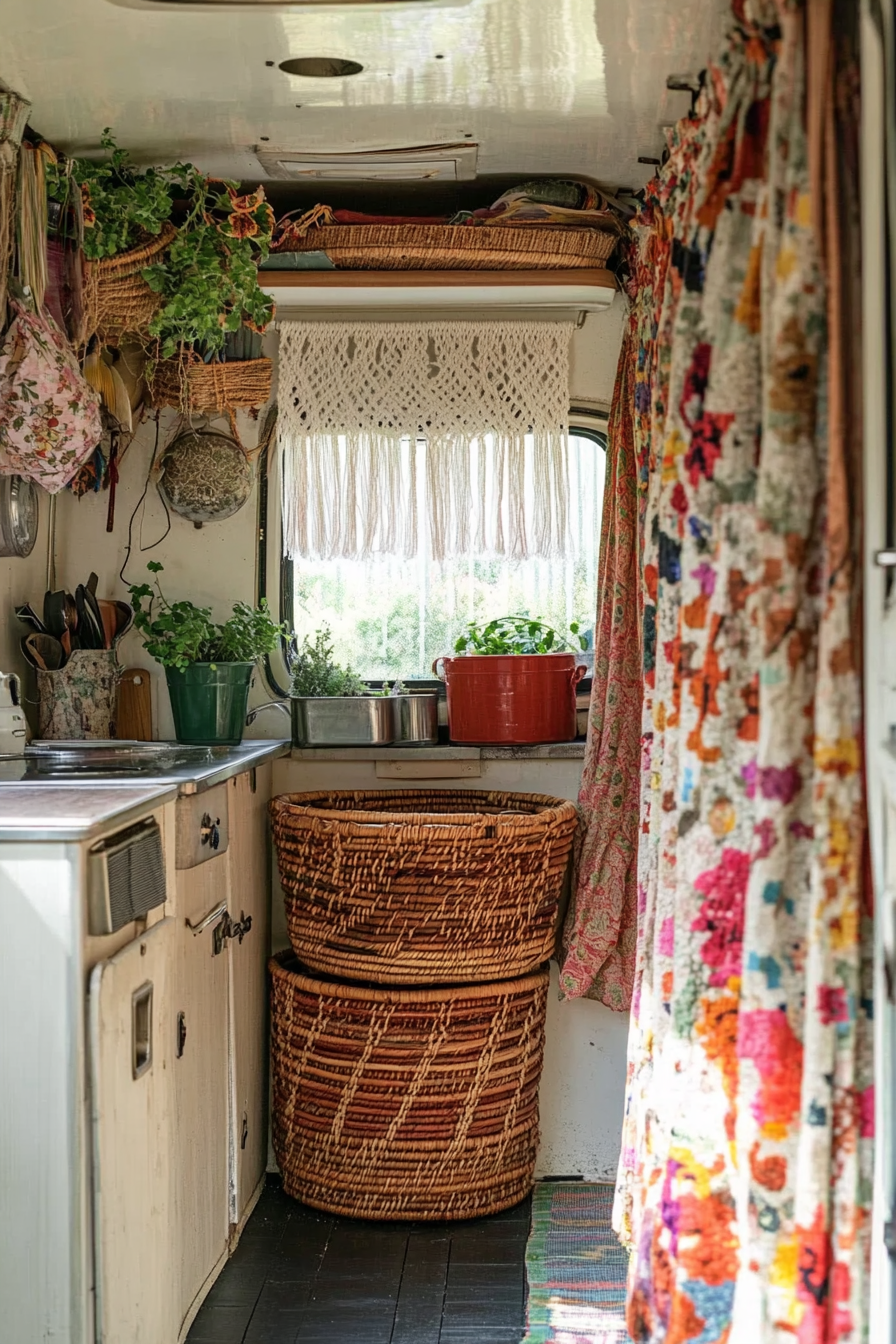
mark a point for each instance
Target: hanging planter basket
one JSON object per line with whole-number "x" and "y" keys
{"x": 188, "y": 384}
{"x": 405, "y": 1104}
{"x": 118, "y": 300}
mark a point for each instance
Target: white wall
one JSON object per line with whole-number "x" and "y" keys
{"x": 215, "y": 565}
{"x": 22, "y": 580}
{"x": 582, "y": 1087}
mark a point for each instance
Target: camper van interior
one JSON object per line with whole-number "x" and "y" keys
{"x": 447, "y": 671}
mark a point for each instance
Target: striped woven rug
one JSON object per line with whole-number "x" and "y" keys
{"x": 575, "y": 1266}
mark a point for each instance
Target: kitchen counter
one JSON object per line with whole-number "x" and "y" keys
{"x": 185, "y": 779}
{"x": 72, "y": 812}
{"x": 546, "y": 751}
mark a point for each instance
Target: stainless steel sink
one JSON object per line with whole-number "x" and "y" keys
{"x": 104, "y": 758}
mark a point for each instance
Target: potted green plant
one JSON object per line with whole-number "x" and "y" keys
{"x": 208, "y": 666}
{"x": 513, "y": 683}
{"x": 331, "y": 705}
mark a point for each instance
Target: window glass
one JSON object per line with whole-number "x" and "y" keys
{"x": 392, "y": 617}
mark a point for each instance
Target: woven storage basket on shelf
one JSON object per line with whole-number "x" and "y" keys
{"x": 395, "y": 1103}
{"x": 189, "y": 384}
{"x": 417, "y": 887}
{"x": 117, "y": 298}
{"x": 451, "y": 247}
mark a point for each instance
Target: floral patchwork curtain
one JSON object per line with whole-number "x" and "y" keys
{"x": 744, "y": 1182}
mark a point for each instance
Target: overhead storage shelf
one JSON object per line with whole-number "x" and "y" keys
{"x": 580, "y": 290}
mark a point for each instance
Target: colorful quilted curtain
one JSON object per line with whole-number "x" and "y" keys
{"x": 745, "y": 1177}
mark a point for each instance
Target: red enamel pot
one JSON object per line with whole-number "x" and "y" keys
{"x": 511, "y": 699}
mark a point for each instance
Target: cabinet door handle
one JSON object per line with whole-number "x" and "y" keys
{"x": 212, "y": 917}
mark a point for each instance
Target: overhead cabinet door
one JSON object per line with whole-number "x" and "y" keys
{"x": 132, "y": 1053}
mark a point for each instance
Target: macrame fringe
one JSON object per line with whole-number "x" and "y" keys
{"x": 491, "y": 402}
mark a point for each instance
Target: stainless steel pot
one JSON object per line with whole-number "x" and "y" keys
{"x": 342, "y": 721}
{"x": 417, "y": 718}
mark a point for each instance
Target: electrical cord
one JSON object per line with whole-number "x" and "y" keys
{"x": 141, "y": 501}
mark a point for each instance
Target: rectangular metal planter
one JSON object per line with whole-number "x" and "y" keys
{"x": 342, "y": 721}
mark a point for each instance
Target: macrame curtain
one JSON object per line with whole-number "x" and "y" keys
{"x": 744, "y": 1184}
{"x": 491, "y": 399}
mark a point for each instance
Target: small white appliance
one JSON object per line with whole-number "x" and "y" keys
{"x": 13, "y": 724}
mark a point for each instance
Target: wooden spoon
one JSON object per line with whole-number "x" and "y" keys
{"x": 43, "y": 651}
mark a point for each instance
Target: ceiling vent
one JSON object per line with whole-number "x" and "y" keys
{"x": 418, "y": 163}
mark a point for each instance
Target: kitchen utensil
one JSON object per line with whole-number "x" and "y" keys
{"x": 27, "y": 614}
{"x": 125, "y": 620}
{"x": 110, "y": 618}
{"x": 54, "y": 614}
{"x": 70, "y": 615}
{"x": 92, "y": 582}
{"x": 19, "y": 515}
{"x": 43, "y": 651}
{"x": 135, "y": 705}
{"x": 90, "y": 622}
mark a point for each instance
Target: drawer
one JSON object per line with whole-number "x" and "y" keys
{"x": 202, "y": 830}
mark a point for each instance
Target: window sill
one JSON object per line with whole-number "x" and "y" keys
{"x": 549, "y": 751}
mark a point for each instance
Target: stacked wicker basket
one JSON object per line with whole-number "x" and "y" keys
{"x": 408, "y": 1020}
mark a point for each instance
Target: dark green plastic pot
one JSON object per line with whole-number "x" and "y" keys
{"x": 209, "y": 702}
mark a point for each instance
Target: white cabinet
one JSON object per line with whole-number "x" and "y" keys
{"x": 201, "y": 1128}
{"x": 132, "y": 1046}
{"x": 220, "y": 1087}
{"x": 250, "y": 879}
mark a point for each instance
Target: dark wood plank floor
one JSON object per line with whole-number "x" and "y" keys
{"x": 303, "y": 1277}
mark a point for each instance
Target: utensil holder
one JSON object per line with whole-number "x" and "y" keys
{"x": 80, "y": 700}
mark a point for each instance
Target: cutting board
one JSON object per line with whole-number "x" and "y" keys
{"x": 135, "y": 705}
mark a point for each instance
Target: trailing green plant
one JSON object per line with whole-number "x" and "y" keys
{"x": 121, "y": 202}
{"x": 178, "y": 634}
{"x": 314, "y": 670}
{"x": 208, "y": 279}
{"x": 517, "y": 634}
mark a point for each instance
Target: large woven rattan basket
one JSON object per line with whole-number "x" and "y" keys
{"x": 117, "y": 298}
{"x": 447, "y": 247}
{"x": 410, "y": 887}
{"x": 395, "y": 1103}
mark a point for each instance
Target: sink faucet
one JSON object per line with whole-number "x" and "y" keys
{"x": 269, "y": 704}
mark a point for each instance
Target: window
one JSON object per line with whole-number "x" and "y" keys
{"x": 392, "y": 617}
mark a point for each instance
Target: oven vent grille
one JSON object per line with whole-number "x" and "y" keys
{"x": 126, "y": 879}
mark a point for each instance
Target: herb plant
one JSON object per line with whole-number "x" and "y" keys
{"x": 121, "y": 202}
{"x": 315, "y": 672}
{"x": 178, "y": 634}
{"x": 516, "y": 634}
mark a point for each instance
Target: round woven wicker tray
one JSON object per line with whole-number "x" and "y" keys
{"x": 394, "y": 1104}
{"x": 447, "y": 247}
{"x": 422, "y": 886}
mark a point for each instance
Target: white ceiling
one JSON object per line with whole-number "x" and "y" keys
{"x": 544, "y": 86}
